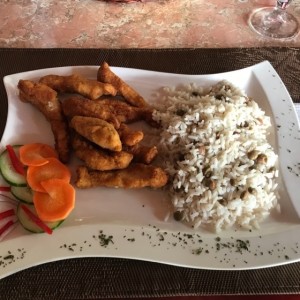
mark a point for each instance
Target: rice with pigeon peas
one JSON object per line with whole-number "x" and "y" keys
{"x": 214, "y": 146}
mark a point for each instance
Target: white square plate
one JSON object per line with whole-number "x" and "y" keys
{"x": 134, "y": 220}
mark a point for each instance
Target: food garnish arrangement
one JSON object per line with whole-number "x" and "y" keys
{"x": 213, "y": 158}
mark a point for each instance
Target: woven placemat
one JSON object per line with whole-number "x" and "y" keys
{"x": 92, "y": 278}
{"x": 286, "y": 61}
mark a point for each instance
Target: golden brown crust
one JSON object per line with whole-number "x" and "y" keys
{"x": 77, "y": 106}
{"x": 110, "y": 110}
{"x": 142, "y": 154}
{"x": 134, "y": 177}
{"x": 128, "y": 136}
{"x": 133, "y": 97}
{"x": 111, "y": 151}
{"x": 97, "y": 131}
{"x": 97, "y": 158}
{"x": 76, "y": 83}
{"x": 45, "y": 100}
{"x": 124, "y": 112}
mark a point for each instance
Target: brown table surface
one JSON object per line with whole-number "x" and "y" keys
{"x": 92, "y": 278}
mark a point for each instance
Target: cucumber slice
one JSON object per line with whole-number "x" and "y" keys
{"x": 28, "y": 224}
{"x": 22, "y": 193}
{"x": 7, "y": 170}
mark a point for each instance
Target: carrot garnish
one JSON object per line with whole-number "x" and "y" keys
{"x": 36, "y": 154}
{"x": 53, "y": 169}
{"x": 58, "y": 201}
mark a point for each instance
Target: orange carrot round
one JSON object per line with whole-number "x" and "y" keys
{"x": 53, "y": 169}
{"x": 36, "y": 154}
{"x": 58, "y": 201}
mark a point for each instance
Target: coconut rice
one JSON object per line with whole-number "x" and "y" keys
{"x": 214, "y": 147}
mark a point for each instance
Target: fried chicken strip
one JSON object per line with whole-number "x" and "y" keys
{"x": 126, "y": 113}
{"x": 97, "y": 131}
{"x": 133, "y": 97}
{"x": 128, "y": 136}
{"x": 45, "y": 100}
{"x": 112, "y": 111}
{"x": 76, "y": 83}
{"x": 97, "y": 158}
{"x": 141, "y": 153}
{"x": 134, "y": 177}
{"x": 77, "y": 106}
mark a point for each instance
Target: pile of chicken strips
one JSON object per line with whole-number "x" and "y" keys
{"x": 92, "y": 121}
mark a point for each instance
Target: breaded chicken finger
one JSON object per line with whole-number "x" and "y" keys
{"x": 128, "y": 136}
{"x": 77, "y": 106}
{"x": 126, "y": 113}
{"x": 76, "y": 83}
{"x": 141, "y": 153}
{"x": 133, "y": 97}
{"x": 45, "y": 100}
{"x": 134, "y": 177}
{"x": 98, "y": 159}
{"x": 97, "y": 131}
{"x": 113, "y": 111}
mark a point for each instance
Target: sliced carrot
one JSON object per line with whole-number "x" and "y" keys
{"x": 57, "y": 203}
{"x": 36, "y": 154}
{"x": 53, "y": 169}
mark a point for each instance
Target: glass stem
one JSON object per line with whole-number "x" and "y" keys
{"x": 277, "y": 17}
{"x": 282, "y": 4}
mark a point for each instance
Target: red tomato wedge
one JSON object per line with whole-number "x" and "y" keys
{"x": 58, "y": 201}
{"x": 36, "y": 154}
{"x": 53, "y": 169}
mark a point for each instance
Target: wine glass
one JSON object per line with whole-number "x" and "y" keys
{"x": 274, "y": 22}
